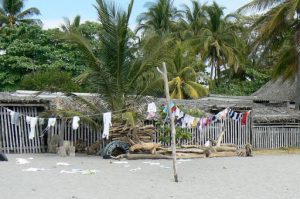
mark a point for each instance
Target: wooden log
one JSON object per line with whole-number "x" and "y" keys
{"x": 191, "y": 146}
{"x": 228, "y": 145}
{"x": 143, "y": 156}
{"x": 199, "y": 151}
{"x": 145, "y": 147}
{"x": 225, "y": 149}
{"x": 222, "y": 154}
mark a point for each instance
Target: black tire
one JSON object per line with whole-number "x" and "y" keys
{"x": 3, "y": 157}
{"x": 115, "y": 148}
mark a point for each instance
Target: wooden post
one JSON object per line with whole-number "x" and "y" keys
{"x": 173, "y": 130}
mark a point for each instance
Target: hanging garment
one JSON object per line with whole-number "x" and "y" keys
{"x": 223, "y": 114}
{"x": 106, "y": 124}
{"x": 235, "y": 116}
{"x": 245, "y": 118}
{"x": 75, "y": 122}
{"x": 166, "y": 107}
{"x": 51, "y": 122}
{"x": 151, "y": 107}
{"x": 187, "y": 121}
{"x": 204, "y": 122}
{"x": 196, "y": 120}
{"x": 214, "y": 118}
{"x": 231, "y": 114}
{"x": 41, "y": 121}
{"x": 179, "y": 113}
{"x": 15, "y": 117}
{"x": 33, "y": 122}
{"x": 200, "y": 124}
{"x": 151, "y": 110}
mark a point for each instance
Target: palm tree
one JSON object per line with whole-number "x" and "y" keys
{"x": 160, "y": 17}
{"x": 218, "y": 42}
{"x": 194, "y": 17}
{"x": 183, "y": 83}
{"x": 12, "y": 13}
{"x": 68, "y": 26}
{"x": 114, "y": 72}
{"x": 278, "y": 29}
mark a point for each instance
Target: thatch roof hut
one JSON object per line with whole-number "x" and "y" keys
{"x": 279, "y": 90}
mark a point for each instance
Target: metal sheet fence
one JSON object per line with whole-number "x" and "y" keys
{"x": 15, "y": 138}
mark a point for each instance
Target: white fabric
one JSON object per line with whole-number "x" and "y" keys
{"x": 33, "y": 122}
{"x": 14, "y": 116}
{"x": 188, "y": 121}
{"x": 151, "y": 108}
{"x": 75, "y": 122}
{"x": 51, "y": 122}
{"x": 179, "y": 113}
{"x": 41, "y": 121}
{"x": 106, "y": 124}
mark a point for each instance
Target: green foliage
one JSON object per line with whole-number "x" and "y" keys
{"x": 254, "y": 79}
{"x": 50, "y": 80}
{"x": 165, "y": 134}
{"x": 29, "y": 49}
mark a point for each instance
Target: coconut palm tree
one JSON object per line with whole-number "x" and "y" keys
{"x": 279, "y": 29}
{"x": 115, "y": 72}
{"x": 194, "y": 17}
{"x": 68, "y": 26}
{"x": 218, "y": 42}
{"x": 160, "y": 17}
{"x": 12, "y": 13}
{"x": 183, "y": 77}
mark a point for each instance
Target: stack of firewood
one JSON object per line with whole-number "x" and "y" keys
{"x": 137, "y": 134}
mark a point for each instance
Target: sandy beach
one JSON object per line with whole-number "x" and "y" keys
{"x": 90, "y": 177}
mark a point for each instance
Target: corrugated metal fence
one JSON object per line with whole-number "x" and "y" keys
{"x": 15, "y": 138}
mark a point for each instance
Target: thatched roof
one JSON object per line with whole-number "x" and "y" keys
{"x": 261, "y": 113}
{"x": 276, "y": 115}
{"x": 277, "y": 90}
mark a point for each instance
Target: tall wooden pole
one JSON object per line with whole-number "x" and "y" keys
{"x": 173, "y": 130}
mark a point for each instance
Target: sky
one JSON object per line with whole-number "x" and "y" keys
{"x": 53, "y": 11}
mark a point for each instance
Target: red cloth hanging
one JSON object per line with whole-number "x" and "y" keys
{"x": 245, "y": 118}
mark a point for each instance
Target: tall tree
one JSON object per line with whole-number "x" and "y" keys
{"x": 115, "y": 72}
{"x": 160, "y": 17}
{"x": 12, "y": 13}
{"x": 278, "y": 29}
{"x": 218, "y": 42}
{"x": 183, "y": 77}
{"x": 194, "y": 17}
{"x": 69, "y": 26}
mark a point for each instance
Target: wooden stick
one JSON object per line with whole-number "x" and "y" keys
{"x": 173, "y": 130}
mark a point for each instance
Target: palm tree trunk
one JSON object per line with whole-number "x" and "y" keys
{"x": 297, "y": 92}
{"x": 297, "y": 95}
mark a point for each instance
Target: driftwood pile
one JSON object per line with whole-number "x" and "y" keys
{"x": 132, "y": 135}
{"x": 190, "y": 151}
{"x": 214, "y": 149}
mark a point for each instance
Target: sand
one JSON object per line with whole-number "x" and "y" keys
{"x": 263, "y": 176}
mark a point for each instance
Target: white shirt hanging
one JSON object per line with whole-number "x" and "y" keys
{"x": 33, "y": 122}
{"x": 51, "y": 122}
{"x": 106, "y": 124}
{"x": 151, "y": 108}
{"x": 75, "y": 122}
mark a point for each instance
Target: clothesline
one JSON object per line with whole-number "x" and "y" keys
{"x": 89, "y": 115}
